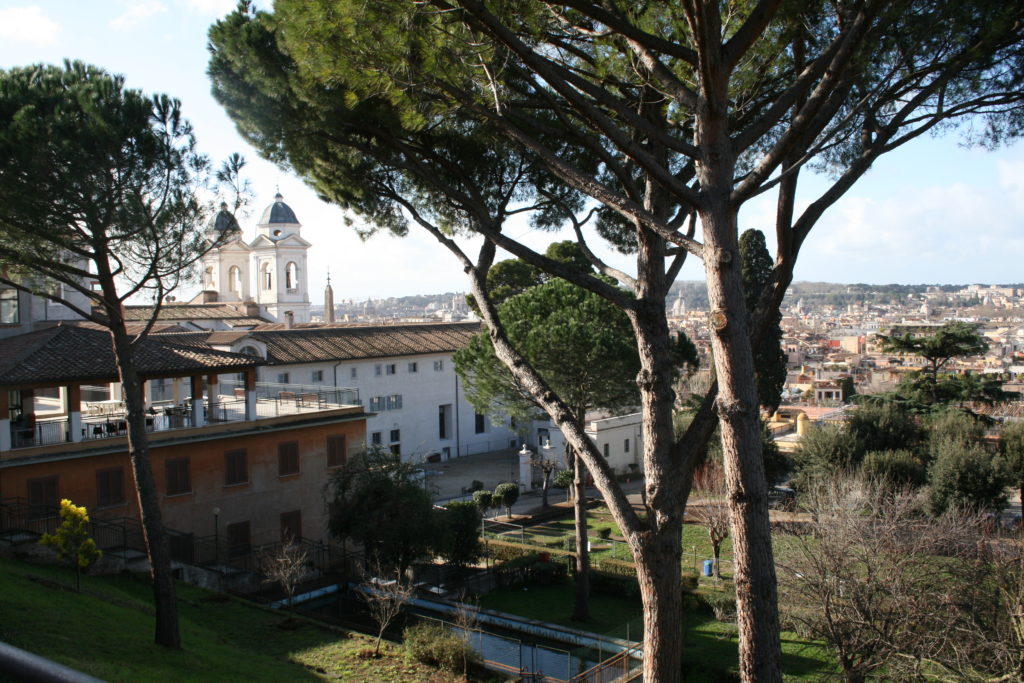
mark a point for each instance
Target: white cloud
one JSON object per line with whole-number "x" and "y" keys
{"x": 137, "y": 13}
{"x": 951, "y": 233}
{"x": 28, "y": 25}
{"x": 212, "y": 7}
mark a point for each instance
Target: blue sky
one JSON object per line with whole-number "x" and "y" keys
{"x": 931, "y": 212}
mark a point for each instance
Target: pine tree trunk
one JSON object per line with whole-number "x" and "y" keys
{"x": 754, "y": 567}
{"x": 581, "y": 609}
{"x": 659, "y": 575}
{"x": 157, "y": 546}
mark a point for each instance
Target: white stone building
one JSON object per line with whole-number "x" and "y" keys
{"x": 270, "y": 271}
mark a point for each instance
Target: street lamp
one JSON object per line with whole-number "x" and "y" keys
{"x": 216, "y": 535}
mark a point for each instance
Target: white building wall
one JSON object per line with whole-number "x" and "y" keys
{"x": 422, "y": 393}
{"x": 619, "y": 439}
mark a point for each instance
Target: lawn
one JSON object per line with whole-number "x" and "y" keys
{"x": 107, "y": 631}
{"x": 554, "y": 533}
{"x": 710, "y": 648}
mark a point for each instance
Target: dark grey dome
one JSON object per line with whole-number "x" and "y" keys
{"x": 278, "y": 212}
{"x": 224, "y": 221}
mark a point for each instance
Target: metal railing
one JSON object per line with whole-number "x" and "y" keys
{"x": 163, "y": 418}
{"x": 306, "y": 394}
{"x": 123, "y": 537}
{"x": 619, "y": 668}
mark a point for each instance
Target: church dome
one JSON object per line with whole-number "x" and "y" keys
{"x": 224, "y": 221}
{"x": 278, "y": 213}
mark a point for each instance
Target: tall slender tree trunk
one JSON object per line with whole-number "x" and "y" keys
{"x": 754, "y": 577}
{"x": 657, "y": 548}
{"x": 157, "y": 547}
{"x": 581, "y": 609}
{"x": 737, "y": 404}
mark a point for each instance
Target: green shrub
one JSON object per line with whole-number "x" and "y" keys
{"x": 435, "y": 645}
{"x": 613, "y": 585}
{"x": 475, "y": 486}
{"x": 547, "y": 573}
{"x": 894, "y": 468}
{"x": 692, "y": 602}
{"x": 618, "y": 567}
{"x": 605, "y": 532}
{"x": 720, "y": 603}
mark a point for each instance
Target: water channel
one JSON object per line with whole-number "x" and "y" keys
{"x": 502, "y": 645}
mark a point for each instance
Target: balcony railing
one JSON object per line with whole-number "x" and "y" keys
{"x": 273, "y": 400}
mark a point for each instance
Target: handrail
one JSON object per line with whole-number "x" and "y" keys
{"x": 21, "y": 665}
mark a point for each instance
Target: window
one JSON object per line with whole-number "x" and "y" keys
{"x": 480, "y": 423}
{"x": 266, "y": 276}
{"x": 234, "y": 279}
{"x": 208, "y": 280}
{"x": 336, "y": 454}
{"x": 606, "y": 450}
{"x": 287, "y": 458}
{"x": 9, "y": 307}
{"x": 42, "y": 496}
{"x": 236, "y": 467}
{"x": 392, "y": 368}
{"x": 179, "y": 478}
{"x": 438, "y": 365}
{"x": 443, "y": 417}
{"x": 282, "y": 378}
{"x": 291, "y": 526}
{"x": 353, "y": 373}
{"x": 238, "y": 539}
{"x": 378, "y": 370}
{"x": 394, "y": 401}
{"x": 376, "y": 403}
{"x": 291, "y": 276}
{"x": 396, "y": 435}
{"x": 317, "y": 375}
{"x": 396, "y": 449}
{"x": 109, "y": 487}
{"x": 413, "y": 367}
{"x": 375, "y": 438}
{"x": 250, "y": 351}
{"x": 625, "y": 446}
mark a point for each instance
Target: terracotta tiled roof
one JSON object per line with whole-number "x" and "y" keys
{"x": 334, "y": 343}
{"x": 70, "y": 352}
{"x": 320, "y": 342}
{"x": 213, "y": 311}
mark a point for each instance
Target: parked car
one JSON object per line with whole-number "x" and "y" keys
{"x": 781, "y": 498}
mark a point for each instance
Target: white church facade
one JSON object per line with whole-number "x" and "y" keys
{"x": 404, "y": 372}
{"x": 270, "y": 271}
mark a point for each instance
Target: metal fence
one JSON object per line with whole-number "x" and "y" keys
{"x": 619, "y": 668}
{"x": 310, "y": 394}
{"x": 529, "y": 661}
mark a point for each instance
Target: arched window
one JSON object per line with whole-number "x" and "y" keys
{"x": 250, "y": 351}
{"x": 210, "y": 284}
{"x": 234, "y": 279}
{"x": 266, "y": 276}
{"x": 291, "y": 276}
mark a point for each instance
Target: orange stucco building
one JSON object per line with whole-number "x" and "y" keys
{"x": 241, "y": 470}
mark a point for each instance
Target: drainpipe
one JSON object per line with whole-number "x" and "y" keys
{"x": 458, "y": 433}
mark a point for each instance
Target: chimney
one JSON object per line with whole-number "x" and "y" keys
{"x": 289, "y": 320}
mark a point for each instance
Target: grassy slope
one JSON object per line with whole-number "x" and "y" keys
{"x": 106, "y": 631}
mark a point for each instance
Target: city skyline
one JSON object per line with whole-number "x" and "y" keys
{"x": 932, "y": 212}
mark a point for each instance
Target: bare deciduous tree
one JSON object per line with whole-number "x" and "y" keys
{"x": 713, "y": 511}
{"x": 384, "y": 601}
{"x": 285, "y": 564}
{"x": 899, "y": 594}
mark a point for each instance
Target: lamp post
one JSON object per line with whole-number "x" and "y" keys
{"x": 216, "y": 535}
